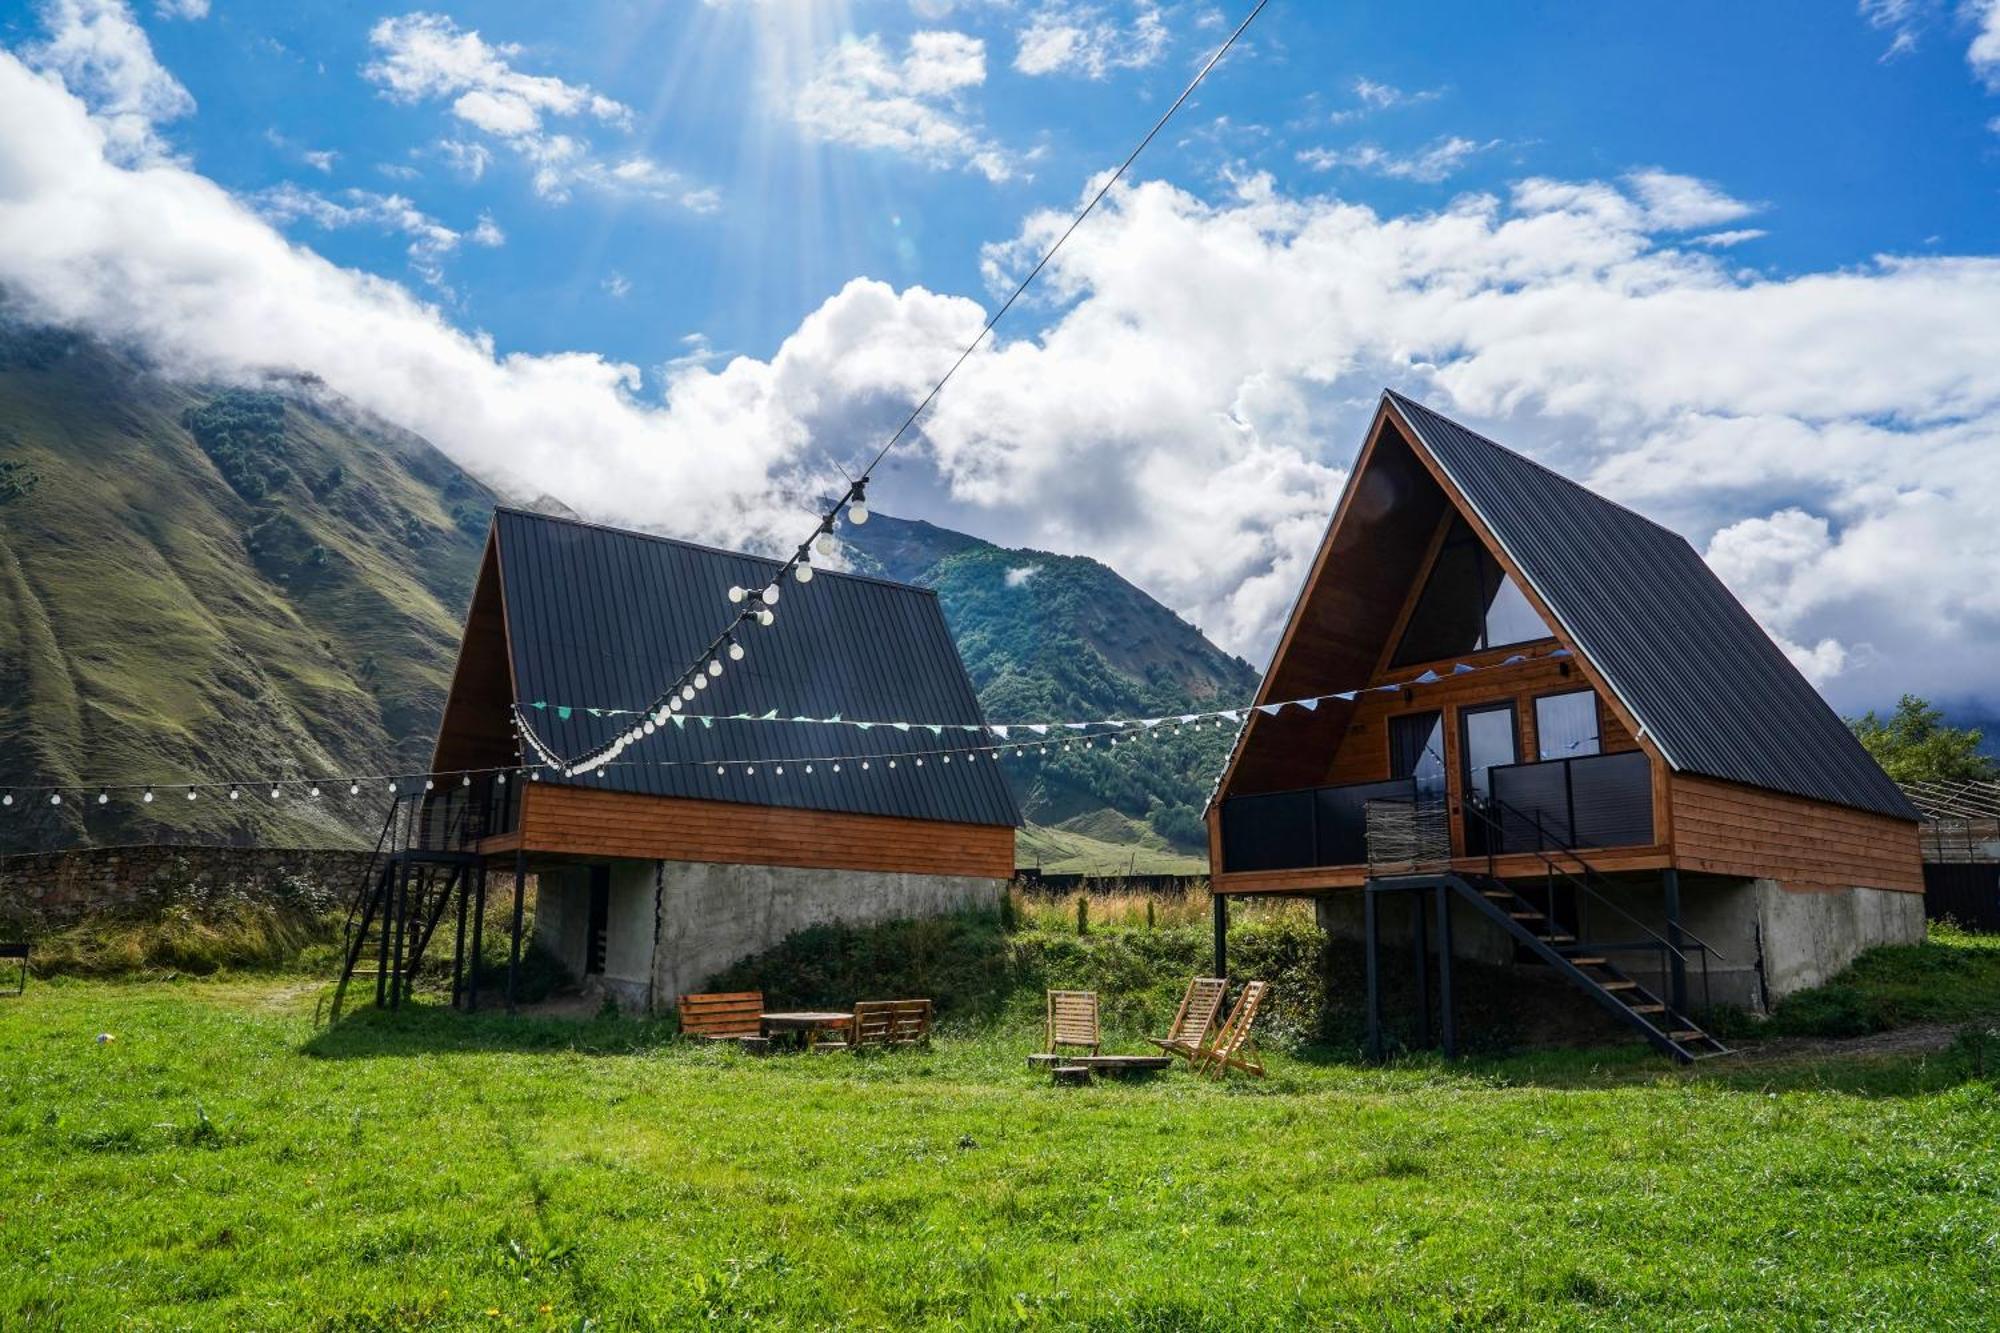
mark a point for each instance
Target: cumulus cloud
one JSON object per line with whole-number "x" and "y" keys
{"x": 1066, "y": 37}
{"x": 100, "y": 53}
{"x": 1984, "y": 53}
{"x": 1429, "y": 165}
{"x": 1188, "y": 407}
{"x": 865, "y": 97}
{"x": 181, "y": 9}
{"x": 431, "y": 241}
{"x": 428, "y": 57}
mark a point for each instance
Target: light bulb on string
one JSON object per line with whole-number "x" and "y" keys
{"x": 104, "y": 798}
{"x": 465, "y": 781}
{"x": 649, "y": 728}
{"x": 714, "y": 666}
{"x": 735, "y": 651}
{"x": 277, "y": 792}
{"x": 8, "y": 799}
{"x": 809, "y": 768}
{"x": 392, "y": 789}
{"x": 737, "y": 593}
{"x": 836, "y": 768}
{"x": 353, "y": 789}
{"x": 315, "y": 791}
{"x": 857, "y": 511}
{"x": 235, "y": 795}
{"x": 803, "y": 571}
{"x": 701, "y": 682}
{"x": 499, "y": 779}
{"x": 687, "y": 691}
{"x": 428, "y": 784}
{"x": 148, "y": 797}
{"x": 780, "y": 770}
{"x": 191, "y": 793}
{"x": 55, "y": 798}
{"x": 764, "y": 617}
{"x": 674, "y": 704}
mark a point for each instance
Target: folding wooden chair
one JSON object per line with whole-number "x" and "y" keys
{"x": 1234, "y": 1047}
{"x": 1072, "y": 1021}
{"x": 1194, "y": 1023}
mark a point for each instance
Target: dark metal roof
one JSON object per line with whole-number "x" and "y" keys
{"x": 1708, "y": 685}
{"x": 601, "y": 617}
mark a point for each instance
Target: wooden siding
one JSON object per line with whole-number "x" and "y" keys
{"x": 578, "y": 822}
{"x": 1320, "y": 879}
{"x": 1724, "y": 828}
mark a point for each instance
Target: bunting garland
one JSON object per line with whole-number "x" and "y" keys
{"x": 998, "y": 741}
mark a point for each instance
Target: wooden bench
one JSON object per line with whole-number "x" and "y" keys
{"x": 730, "y": 1016}
{"x": 891, "y": 1023}
{"x": 18, "y": 951}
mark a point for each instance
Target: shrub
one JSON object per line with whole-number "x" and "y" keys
{"x": 242, "y": 432}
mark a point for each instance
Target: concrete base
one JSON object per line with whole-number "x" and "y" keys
{"x": 1768, "y": 941}
{"x": 672, "y": 925}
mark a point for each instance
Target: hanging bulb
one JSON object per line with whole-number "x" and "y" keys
{"x": 824, "y": 543}
{"x": 392, "y": 789}
{"x": 190, "y": 793}
{"x": 428, "y": 784}
{"x": 920, "y": 763}
{"x": 765, "y": 617}
{"x": 749, "y": 772}
{"x": 687, "y": 691}
{"x": 803, "y": 572}
{"x": 737, "y": 593}
{"x": 649, "y": 728}
{"x": 674, "y": 704}
{"x": 769, "y": 596}
{"x": 276, "y": 793}
{"x": 56, "y": 799}
{"x": 857, "y": 513}
{"x": 148, "y": 797}
{"x": 864, "y": 765}
{"x": 718, "y": 770}
{"x": 809, "y": 768}
{"x": 8, "y": 799}
{"x": 735, "y": 651}
{"x": 499, "y": 779}
{"x": 701, "y": 682}
{"x": 315, "y": 791}
{"x": 235, "y": 795}
{"x": 465, "y": 781}
{"x": 714, "y": 666}
{"x": 103, "y": 798}
{"x": 781, "y": 770}
{"x": 836, "y": 768}
{"x": 535, "y": 776}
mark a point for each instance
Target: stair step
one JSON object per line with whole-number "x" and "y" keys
{"x": 1619, "y": 985}
{"x": 1689, "y": 1034}
{"x": 1527, "y": 916}
{"x": 1587, "y": 961}
{"x": 1648, "y": 1008}
{"x": 1496, "y": 893}
{"x": 1558, "y": 939}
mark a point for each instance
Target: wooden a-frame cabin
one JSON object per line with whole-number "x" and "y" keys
{"x": 1563, "y": 742}
{"x": 721, "y": 833}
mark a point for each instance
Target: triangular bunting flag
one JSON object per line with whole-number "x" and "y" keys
{"x": 1001, "y": 732}
{"x": 563, "y": 712}
{"x": 1270, "y": 709}
{"x": 1428, "y": 678}
{"x": 680, "y": 723}
{"x": 1461, "y": 669}
{"x": 1039, "y": 728}
{"x": 1347, "y": 695}
{"x": 1310, "y": 705}
{"x": 900, "y": 726}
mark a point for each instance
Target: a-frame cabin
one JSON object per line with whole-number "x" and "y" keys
{"x": 1558, "y": 724}
{"x": 727, "y": 829}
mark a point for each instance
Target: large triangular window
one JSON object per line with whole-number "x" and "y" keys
{"x": 1468, "y": 603}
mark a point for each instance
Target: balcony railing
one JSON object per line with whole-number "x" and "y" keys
{"x": 1601, "y": 800}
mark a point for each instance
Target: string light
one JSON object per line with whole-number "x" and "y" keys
{"x": 190, "y": 793}
{"x": 104, "y": 798}
{"x": 735, "y": 651}
{"x": 55, "y": 798}
{"x": 148, "y": 797}
{"x": 235, "y": 795}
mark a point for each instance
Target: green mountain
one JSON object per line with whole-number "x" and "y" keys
{"x": 1050, "y": 637}
{"x": 199, "y": 580}
{"x": 196, "y": 581}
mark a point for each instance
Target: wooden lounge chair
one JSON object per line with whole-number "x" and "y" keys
{"x": 729, "y": 1016}
{"x": 1072, "y": 1021}
{"x": 1194, "y": 1023}
{"x": 890, "y": 1023}
{"x": 1234, "y": 1047}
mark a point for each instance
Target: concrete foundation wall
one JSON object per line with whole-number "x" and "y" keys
{"x": 714, "y": 915}
{"x": 562, "y": 913}
{"x": 1808, "y": 937}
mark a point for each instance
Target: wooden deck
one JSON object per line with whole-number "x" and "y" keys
{"x": 1525, "y": 865}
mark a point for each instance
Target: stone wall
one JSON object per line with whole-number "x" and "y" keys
{"x": 50, "y": 890}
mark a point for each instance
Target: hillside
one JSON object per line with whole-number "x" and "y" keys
{"x": 201, "y": 580}
{"x": 1064, "y": 637}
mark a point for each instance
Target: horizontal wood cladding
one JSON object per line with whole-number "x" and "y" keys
{"x": 1610, "y": 860}
{"x": 1723, "y": 828}
{"x": 573, "y": 821}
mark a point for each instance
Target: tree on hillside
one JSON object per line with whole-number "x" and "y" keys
{"x": 1915, "y": 744}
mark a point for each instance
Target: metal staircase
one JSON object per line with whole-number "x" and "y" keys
{"x": 423, "y": 861}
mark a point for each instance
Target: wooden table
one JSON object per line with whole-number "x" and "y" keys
{"x": 806, "y": 1024}
{"x": 1115, "y": 1065}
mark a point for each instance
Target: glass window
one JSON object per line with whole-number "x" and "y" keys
{"x": 1467, "y": 604}
{"x": 1489, "y": 741}
{"x": 1416, "y": 750}
{"x": 1566, "y": 725}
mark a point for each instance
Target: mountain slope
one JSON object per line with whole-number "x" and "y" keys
{"x": 1052, "y": 637}
{"x": 203, "y": 581}
{"x": 198, "y": 581}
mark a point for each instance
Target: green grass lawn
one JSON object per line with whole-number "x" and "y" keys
{"x": 224, "y": 1164}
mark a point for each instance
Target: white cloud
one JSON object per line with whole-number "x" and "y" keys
{"x": 102, "y": 55}
{"x": 1680, "y": 203}
{"x": 617, "y": 286}
{"x": 321, "y": 159}
{"x": 1722, "y": 240}
{"x": 1200, "y": 383}
{"x": 1430, "y": 164}
{"x": 181, "y": 9}
{"x": 864, "y": 97}
{"x": 1984, "y": 53}
{"x": 1070, "y": 37}
{"x": 428, "y": 57}
{"x": 1019, "y": 575}
{"x": 431, "y": 241}
{"x": 1375, "y": 96}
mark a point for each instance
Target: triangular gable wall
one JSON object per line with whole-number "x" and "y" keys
{"x": 474, "y": 731}
{"x": 1378, "y": 548}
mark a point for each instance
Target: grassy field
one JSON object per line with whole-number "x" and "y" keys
{"x": 223, "y": 1163}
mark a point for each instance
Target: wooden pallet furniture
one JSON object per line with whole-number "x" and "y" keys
{"x": 1071, "y": 1020}
{"x": 811, "y": 1029}
{"x": 891, "y": 1023}
{"x": 1194, "y": 1022}
{"x": 17, "y": 950}
{"x": 1234, "y": 1047}
{"x": 727, "y": 1016}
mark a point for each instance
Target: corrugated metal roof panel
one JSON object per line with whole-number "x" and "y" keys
{"x": 601, "y": 617}
{"x": 1710, "y": 687}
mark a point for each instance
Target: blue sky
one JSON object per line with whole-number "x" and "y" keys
{"x": 1734, "y": 265}
{"x": 1792, "y": 106}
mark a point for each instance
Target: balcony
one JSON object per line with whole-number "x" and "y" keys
{"x": 1595, "y": 801}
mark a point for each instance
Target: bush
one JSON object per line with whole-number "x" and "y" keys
{"x": 242, "y": 432}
